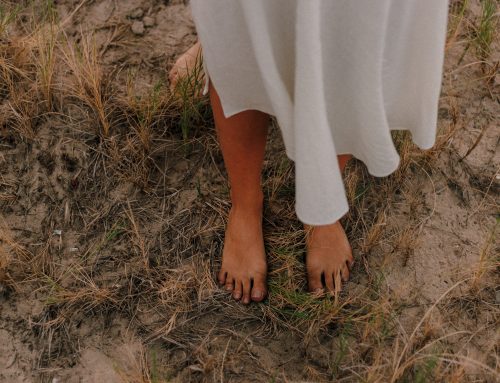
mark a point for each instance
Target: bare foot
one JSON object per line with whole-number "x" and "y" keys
{"x": 244, "y": 265}
{"x": 184, "y": 65}
{"x": 329, "y": 257}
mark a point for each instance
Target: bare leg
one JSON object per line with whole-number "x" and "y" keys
{"x": 242, "y": 139}
{"x": 329, "y": 255}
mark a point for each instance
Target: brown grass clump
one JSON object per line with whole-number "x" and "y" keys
{"x": 89, "y": 85}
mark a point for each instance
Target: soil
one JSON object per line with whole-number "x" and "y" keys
{"x": 430, "y": 241}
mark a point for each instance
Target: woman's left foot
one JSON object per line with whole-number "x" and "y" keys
{"x": 329, "y": 257}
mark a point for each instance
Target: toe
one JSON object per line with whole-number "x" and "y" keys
{"x": 338, "y": 281}
{"x": 329, "y": 282}
{"x": 222, "y": 277}
{"x": 246, "y": 291}
{"x": 350, "y": 261}
{"x": 259, "y": 290}
{"x": 238, "y": 290}
{"x": 344, "y": 272}
{"x": 229, "y": 283}
{"x": 314, "y": 281}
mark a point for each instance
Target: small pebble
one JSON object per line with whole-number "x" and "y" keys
{"x": 149, "y": 21}
{"x": 57, "y": 232}
{"x": 138, "y": 28}
{"x": 136, "y": 13}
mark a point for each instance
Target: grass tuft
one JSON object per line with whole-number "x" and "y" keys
{"x": 89, "y": 84}
{"x": 486, "y": 30}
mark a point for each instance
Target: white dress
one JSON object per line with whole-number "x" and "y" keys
{"x": 337, "y": 74}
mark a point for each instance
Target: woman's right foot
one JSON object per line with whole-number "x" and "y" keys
{"x": 244, "y": 265}
{"x": 329, "y": 257}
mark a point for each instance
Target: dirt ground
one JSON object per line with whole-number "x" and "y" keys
{"x": 113, "y": 201}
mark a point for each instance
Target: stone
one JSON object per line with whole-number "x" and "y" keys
{"x": 149, "y": 21}
{"x": 138, "y": 28}
{"x": 136, "y": 13}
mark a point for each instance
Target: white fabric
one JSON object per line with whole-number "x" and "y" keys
{"x": 337, "y": 74}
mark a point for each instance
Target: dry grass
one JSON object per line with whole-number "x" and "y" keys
{"x": 89, "y": 85}
{"x": 486, "y": 30}
{"x": 150, "y": 233}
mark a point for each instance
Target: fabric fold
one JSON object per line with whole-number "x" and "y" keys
{"x": 339, "y": 75}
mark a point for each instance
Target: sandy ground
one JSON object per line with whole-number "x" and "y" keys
{"x": 128, "y": 292}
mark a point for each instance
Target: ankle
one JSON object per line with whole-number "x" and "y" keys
{"x": 250, "y": 202}
{"x": 321, "y": 232}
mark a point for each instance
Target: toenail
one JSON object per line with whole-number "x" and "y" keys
{"x": 257, "y": 294}
{"x": 237, "y": 295}
{"x": 229, "y": 287}
{"x": 246, "y": 300}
